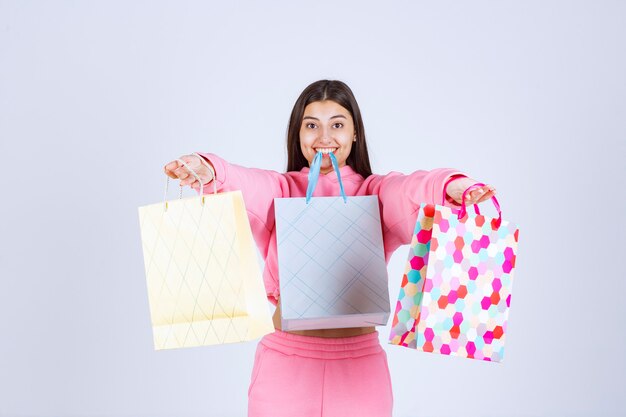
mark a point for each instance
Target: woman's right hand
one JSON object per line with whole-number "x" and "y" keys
{"x": 176, "y": 170}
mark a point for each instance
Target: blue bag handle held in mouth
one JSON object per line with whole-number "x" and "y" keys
{"x": 314, "y": 174}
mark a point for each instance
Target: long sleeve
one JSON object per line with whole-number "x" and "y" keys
{"x": 259, "y": 188}
{"x": 400, "y": 197}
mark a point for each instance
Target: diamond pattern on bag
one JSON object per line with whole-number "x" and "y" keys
{"x": 330, "y": 256}
{"x": 195, "y": 287}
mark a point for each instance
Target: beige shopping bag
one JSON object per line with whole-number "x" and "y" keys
{"x": 204, "y": 281}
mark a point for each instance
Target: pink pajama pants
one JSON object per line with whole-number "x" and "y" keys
{"x": 308, "y": 376}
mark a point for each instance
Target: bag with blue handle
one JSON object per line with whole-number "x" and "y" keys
{"x": 331, "y": 261}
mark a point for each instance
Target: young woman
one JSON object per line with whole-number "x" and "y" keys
{"x": 330, "y": 372}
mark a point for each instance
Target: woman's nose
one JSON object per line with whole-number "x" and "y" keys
{"x": 325, "y": 135}
{"x": 324, "y": 140}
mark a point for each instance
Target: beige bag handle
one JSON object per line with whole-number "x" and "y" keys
{"x": 167, "y": 180}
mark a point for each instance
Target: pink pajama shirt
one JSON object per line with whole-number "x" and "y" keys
{"x": 309, "y": 376}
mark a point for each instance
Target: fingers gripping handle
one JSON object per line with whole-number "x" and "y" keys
{"x": 196, "y": 176}
{"x": 463, "y": 209}
{"x": 445, "y": 191}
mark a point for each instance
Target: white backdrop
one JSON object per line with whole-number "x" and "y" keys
{"x": 95, "y": 97}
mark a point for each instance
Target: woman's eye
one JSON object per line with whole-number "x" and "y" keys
{"x": 338, "y": 125}
{"x": 310, "y": 125}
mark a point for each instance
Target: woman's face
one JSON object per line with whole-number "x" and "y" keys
{"x": 327, "y": 127}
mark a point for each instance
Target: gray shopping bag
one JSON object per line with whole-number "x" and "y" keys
{"x": 331, "y": 261}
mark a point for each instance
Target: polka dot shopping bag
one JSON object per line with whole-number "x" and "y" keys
{"x": 455, "y": 293}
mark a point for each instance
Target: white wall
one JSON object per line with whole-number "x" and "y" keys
{"x": 95, "y": 97}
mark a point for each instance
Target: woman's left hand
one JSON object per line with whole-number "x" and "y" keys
{"x": 457, "y": 186}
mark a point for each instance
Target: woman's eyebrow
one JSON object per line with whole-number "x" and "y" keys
{"x": 337, "y": 116}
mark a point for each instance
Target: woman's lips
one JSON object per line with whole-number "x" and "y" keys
{"x": 325, "y": 151}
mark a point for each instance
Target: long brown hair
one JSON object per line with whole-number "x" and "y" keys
{"x": 341, "y": 94}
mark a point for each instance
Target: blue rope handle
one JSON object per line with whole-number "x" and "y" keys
{"x": 314, "y": 173}
{"x": 333, "y": 160}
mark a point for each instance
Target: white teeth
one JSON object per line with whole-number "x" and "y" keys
{"x": 326, "y": 150}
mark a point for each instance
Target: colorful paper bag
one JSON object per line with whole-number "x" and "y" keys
{"x": 331, "y": 262}
{"x": 204, "y": 282}
{"x": 456, "y": 290}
